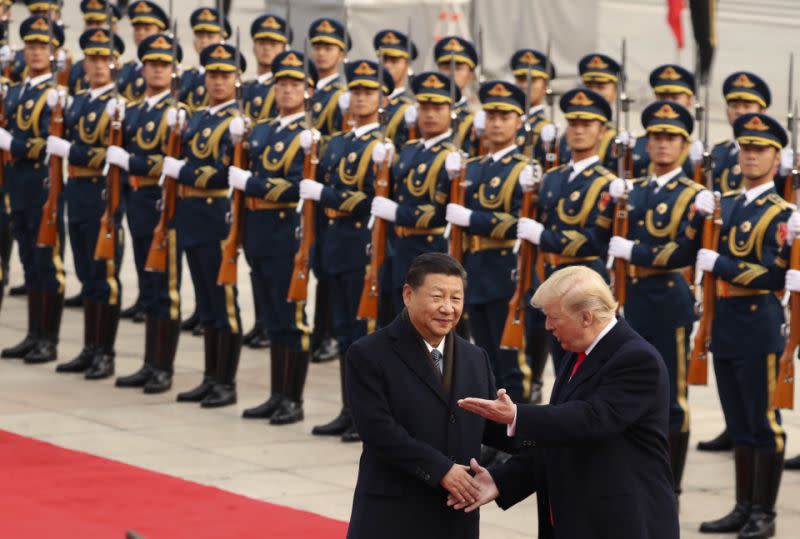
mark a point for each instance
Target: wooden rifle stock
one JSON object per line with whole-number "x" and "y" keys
{"x": 230, "y": 247}
{"x": 784, "y": 390}
{"x": 621, "y": 228}
{"x": 457, "y": 196}
{"x": 368, "y": 304}
{"x": 298, "y": 287}
{"x": 3, "y": 123}
{"x": 48, "y": 226}
{"x": 105, "y": 248}
{"x": 157, "y": 255}
{"x": 513, "y": 337}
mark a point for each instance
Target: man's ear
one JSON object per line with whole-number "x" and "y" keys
{"x": 587, "y": 318}
{"x": 407, "y": 291}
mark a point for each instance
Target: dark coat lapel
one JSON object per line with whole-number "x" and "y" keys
{"x": 406, "y": 344}
{"x": 594, "y": 361}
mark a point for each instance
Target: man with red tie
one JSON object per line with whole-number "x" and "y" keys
{"x": 597, "y": 456}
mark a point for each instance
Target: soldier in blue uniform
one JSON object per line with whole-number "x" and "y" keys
{"x": 145, "y": 135}
{"x": 208, "y": 30}
{"x": 200, "y": 218}
{"x": 345, "y": 193}
{"x": 12, "y": 61}
{"x": 749, "y": 263}
{"x": 489, "y": 218}
{"x": 28, "y": 122}
{"x": 271, "y": 36}
{"x": 531, "y": 61}
{"x": 660, "y": 305}
{"x": 148, "y": 19}
{"x": 393, "y": 47}
{"x": 86, "y": 123}
{"x": 94, "y": 16}
{"x": 271, "y": 189}
{"x": 466, "y": 60}
{"x": 572, "y": 195}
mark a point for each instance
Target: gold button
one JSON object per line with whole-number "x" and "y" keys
{"x": 430, "y": 239}
{"x": 670, "y": 283}
{"x": 358, "y": 225}
{"x": 641, "y": 223}
{"x": 330, "y": 221}
{"x": 209, "y": 200}
{"x": 753, "y": 307}
{"x": 504, "y": 252}
{"x": 282, "y": 215}
{"x": 634, "y": 280}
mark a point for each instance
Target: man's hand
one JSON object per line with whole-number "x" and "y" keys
{"x": 488, "y": 490}
{"x": 460, "y": 484}
{"x": 501, "y": 410}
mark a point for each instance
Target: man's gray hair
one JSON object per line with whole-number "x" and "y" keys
{"x": 578, "y": 288}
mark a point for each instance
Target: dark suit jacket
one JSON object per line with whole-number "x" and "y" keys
{"x": 413, "y": 433}
{"x": 598, "y": 453}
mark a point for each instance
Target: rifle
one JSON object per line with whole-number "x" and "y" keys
{"x": 483, "y": 141}
{"x": 105, "y": 248}
{"x": 698, "y": 362}
{"x": 298, "y": 287}
{"x": 347, "y": 117}
{"x": 230, "y": 247}
{"x": 791, "y": 116}
{"x": 159, "y": 247}
{"x": 784, "y": 390}
{"x": 514, "y": 329}
{"x": 458, "y": 185}
{"x": 4, "y": 23}
{"x": 48, "y": 226}
{"x": 551, "y": 152}
{"x": 368, "y": 304}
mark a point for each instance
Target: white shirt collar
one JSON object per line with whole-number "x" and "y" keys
{"x": 264, "y": 77}
{"x": 751, "y": 194}
{"x": 430, "y": 348}
{"x": 201, "y": 70}
{"x": 602, "y": 334}
{"x": 97, "y": 92}
{"x": 736, "y": 145}
{"x": 153, "y": 100}
{"x": 461, "y": 101}
{"x": 535, "y": 109}
{"x": 286, "y": 120}
{"x": 582, "y": 165}
{"x": 664, "y": 179}
{"x": 38, "y": 79}
{"x": 364, "y": 129}
{"x": 322, "y": 83}
{"x": 397, "y": 91}
{"x": 428, "y": 142}
{"x": 138, "y": 63}
{"x": 216, "y": 108}
{"x": 497, "y": 156}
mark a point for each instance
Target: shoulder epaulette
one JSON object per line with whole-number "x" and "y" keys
{"x": 559, "y": 168}
{"x": 731, "y": 194}
{"x": 476, "y": 158}
{"x": 449, "y": 146}
{"x": 641, "y": 180}
{"x": 780, "y": 201}
{"x": 722, "y": 142}
{"x": 520, "y": 156}
{"x": 690, "y": 183}
{"x": 134, "y": 103}
{"x": 604, "y": 171}
{"x": 82, "y": 92}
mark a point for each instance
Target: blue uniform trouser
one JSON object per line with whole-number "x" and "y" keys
{"x": 216, "y": 304}
{"x": 746, "y": 388}
{"x": 345, "y": 294}
{"x": 511, "y": 368}
{"x": 157, "y": 290}
{"x": 43, "y": 266}
{"x": 285, "y": 321}
{"x": 101, "y": 282}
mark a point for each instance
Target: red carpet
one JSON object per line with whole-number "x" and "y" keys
{"x": 48, "y": 491}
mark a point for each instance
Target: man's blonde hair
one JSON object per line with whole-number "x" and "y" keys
{"x": 578, "y": 288}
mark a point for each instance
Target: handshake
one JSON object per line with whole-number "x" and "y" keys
{"x": 466, "y": 491}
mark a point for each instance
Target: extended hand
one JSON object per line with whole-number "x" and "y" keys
{"x": 488, "y": 489}
{"x": 461, "y": 485}
{"x": 501, "y": 410}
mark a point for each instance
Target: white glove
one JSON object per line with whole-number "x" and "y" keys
{"x": 529, "y": 230}
{"x": 6, "y": 54}
{"x": 172, "y": 117}
{"x": 344, "y": 102}
{"x": 119, "y": 157}
{"x": 172, "y": 167}
{"x": 706, "y": 258}
{"x": 479, "y": 122}
{"x": 452, "y": 163}
{"x": 384, "y": 208}
{"x": 787, "y": 161}
{"x": 793, "y": 227}
{"x": 61, "y": 60}
{"x": 5, "y": 139}
{"x": 530, "y": 176}
{"x": 618, "y": 186}
{"x": 382, "y": 151}
{"x": 116, "y": 106}
{"x": 620, "y": 247}
{"x": 705, "y": 202}
{"x": 548, "y": 133}
{"x": 52, "y": 98}
{"x": 458, "y": 215}
{"x": 410, "y": 115}
{"x": 307, "y": 137}
{"x": 237, "y": 177}
{"x": 625, "y": 138}
{"x": 696, "y": 151}
{"x": 58, "y": 146}
{"x": 310, "y": 189}
{"x": 792, "y": 280}
{"x": 238, "y": 127}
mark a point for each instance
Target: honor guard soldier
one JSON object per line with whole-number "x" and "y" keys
{"x": 465, "y": 58}
{"x": 200, "y": 217}
{"x": 397, "y": 54}
{"x": 271, "y": 36}
{"x": 660, "y": 305}
{"x": 26, "y": 181}
{"x": 749, "y": 264}
{"x": 12, "y": 61}
{"x": 86, "y": 123}
{"x": 531, "y": 61}
{"x": 574, "y": 194}
{"x": 144, "y": 139}
{"x": 345, "y": 195}
{"x": 208, "y": 30}
{"x": 673, "y": 83}
{"x": 94, "y": 16}
{"x": 271, "y": 189}
{"x": 147, "y": 19}
{"x": 489, "y": 218}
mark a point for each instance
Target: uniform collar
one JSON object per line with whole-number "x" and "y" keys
{"x": 364, "y": 129}
{"x": 582, "y": 165}
{"x": 201, "y": 70}
{"x": 396, "y": 92}
{"x": 429, "y": 142}
{"x": 322, "y": 83}
{"x": 462, "y": 101}
{"x": 663, "y": 180}
{"x": 38, "y": 80}
{"x": 265, "y": 77}
{"x": 535, "y": 110}
{"x": 97, "y": 92}
{"x": 497, "y": 156}
{"x": 153, "y": 100}
{"x": 751, "y": 194}
{"x": 216, "y": 108}
{"x": 286, "y": 120}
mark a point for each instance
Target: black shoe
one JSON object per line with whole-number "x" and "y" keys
{"x": 139, "y": 317}
{"x": 52, "y": 305}
{"x": 103, "y": 363}
{"x": 74, "y": 301}
{"x": 220, "y": 395}
{"x": 44, "y": 352}
{"x": 102, "y": 367}
{"x": 722, "y": 442}
{"x": 339, "y": 426}
{"x": 32, "y": 336}
{"x": 288, "y": 412}
{"x": 744, "y": 467}
{"x": 265, "y": 409}
{"x": 197, "y": 330}
{"x": 250, "y": 335}
{"x": 84, "y": 359}
{"x": 792, "y": 463}
{"x": 17, "y": 290}
{"x": 166, "y": 337}
{"x": 260, "y": 341}
{"x": 769, "y": 468}
{"x": 351, "y": 435}
{"x": 159, "y": 382}
{"x": 229, "y": 348}
{"x": 21, "y": 349}
{"x": 137, "y": 379}
{"x": 730, "y": 523}
{"x": 140, "y": 377}
{"x": 210, "y": 354}
{"x": 198, "y": 393}
{"x": 130, "y": 311}
{"x": 760, "y": 525}
{"x": 190, "y": 323}
{"x": 327, "y": 351}
{"x": 81, "y": 362}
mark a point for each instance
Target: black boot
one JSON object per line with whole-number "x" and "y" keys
{"x": 344, "y": 420}
{"x": 81, "y": 362}
{"x": 536, "y": 347}
{"x": 323, "y": 346}
{"x": 769, "y": 467}
{"x": 131, "y": 311}
{"x": 722, "y": 442}
{"x": 257, "y": 327}
{"x": 255, "y": 330}
{"x": 744, "y": 458}
{"x": 792, "y": 463}
{"x": 6, "y": 243}
{"x": 261, "y": 340}
{"x": 192, "y": 322}
{"x": 210, "y": 338}
{"x": 328, "y": 351}
{"x": 21, "y": 349}
{"x": 167, "y": 332}
{"x": 277, "y": 366}
{"x": 678, "y": 446}
{"x": 20, "y": 290}
{"x": 47, "y": 347}
{"x": 223, "y": 392}
{"x": 351, "y": 434}
{"x": 74, "y": 301}
{"x": 103, "y": 362}
{"x": 291, "y": 409}
{"x": 140, "y": 377}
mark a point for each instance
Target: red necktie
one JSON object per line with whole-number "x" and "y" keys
{"x": 578, "y": 362}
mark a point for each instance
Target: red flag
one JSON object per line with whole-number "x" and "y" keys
{"x": 674, "y": 9}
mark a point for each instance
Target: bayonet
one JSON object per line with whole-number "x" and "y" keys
{"x": 453, "y": 112}
{"x": 625, "y": 101}
{"x": 791, "y": 115}
{"x": 409, "y": 50}
{"x": 112, "y": 65}
{"x": 237, "y": 58}
{"x": 381, "y": 96}
{"x": 221, "y": 19}
{"x": 288, "y": 23}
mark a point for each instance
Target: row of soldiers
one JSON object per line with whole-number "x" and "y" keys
{"x": 453, "y": 176}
